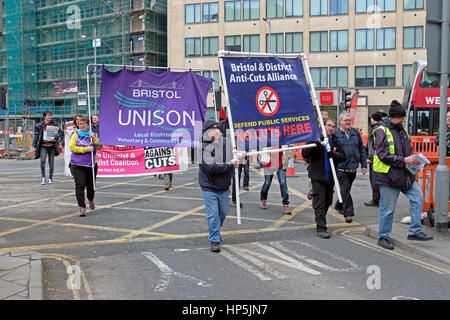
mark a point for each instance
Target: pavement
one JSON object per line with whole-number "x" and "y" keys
{"x": 21, "y": 276}
{"x": 437, "y": 249}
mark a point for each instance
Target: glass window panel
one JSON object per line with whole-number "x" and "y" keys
{"x": 318, "y": 7}
{"x": 251, "y": 43}
{"x": 192, "y": 13}
{"x": 338, "y": 6}
{"x": 294, "y": 42}
{"x": 294, "y": 8}
{"x": 339, "y": 40}
{"x": 412, "y": 4}
{"x": 386, "y": 5}
{"x": 211, "y": 12}
{"x": 232, "y": 10}
{"x": 365, "y": 6}
{"x": 386, "y": 38}
{"x": 405, "y": 74}
{"x": 274, "y": 8}
{"x": 210, "y": 46}
{"x": 251, "y": 9}
{"x": 233, "y": 43}
{"x": 319, "y": 77}
{"x": 318, "y": 41}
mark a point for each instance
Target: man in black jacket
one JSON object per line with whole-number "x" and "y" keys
{"x": 214, "y": 176}
{"x": 319, "y": 171}
{"x": 393, "y": 151}
{"x": 355, "y": 153}
{"x": 45, "y": 142}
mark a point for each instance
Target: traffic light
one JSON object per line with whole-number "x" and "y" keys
{"x": 346, "y": 98}
{"x": 3, "y": 91}
{"x": 218, "y": 98}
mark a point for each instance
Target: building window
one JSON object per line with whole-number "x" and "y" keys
{"x": 364, "y": 39}
{"x": 412, "y": 4}
{"x": 318, "y": 7}
{"x": 233, "y": 43}
{"x": 210, "y": 46}
{"x": 211, "y": 12}
{"x": 338, "y": 77}
{"x": 318, "y": 41}
{"x": 385, "y": 38}
{"x": 339, "y": 40}
{"x": 365, "y": 6}
{"x": 213, "y": 74}
{"x": 385, "y": 76}
{"x": 386, "y": 5}
{"x": 276, "y": 43}
{"x": 274, "y": 8}
{"x": 251, "y": 43}
{"x": 192, "y": 13}
{"x": 294, "y": 42}
{"x": 364, "y": 76}
{"x": 319, "y": 77}
{"x": 251, "y": 9}
{"x": 412, "y": 37}
{"x": 192, "y": 47}
{"x": 294, "y": 8}
{"x": 232, "y": 10}
{"x": 338, "y": 7}
{"x": 406, "y": 70}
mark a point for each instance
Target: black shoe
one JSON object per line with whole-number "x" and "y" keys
{"x": 246, "y": 188}
{"x": 323, "y": 234}
{"x": 338, "y": 206}
{"x": 349, "y": 219}
{"x": 233, "y": 204}
{"x": 371, "y": 204}
{"x": 385, "y": 243}
{"x": 309, "y": 196}
{"x": 420, "y": 237}
{"x": 215, "y": 246}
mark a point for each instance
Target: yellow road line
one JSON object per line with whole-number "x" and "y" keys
{"x": 156, "y": 238}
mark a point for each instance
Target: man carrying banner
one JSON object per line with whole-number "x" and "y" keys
{"x": 319, "y": 171}
{"x": 215, "y": 172}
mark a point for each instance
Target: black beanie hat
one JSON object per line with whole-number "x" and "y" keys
{"x": 396, "y": 110}
{"x": 210, "y": 124}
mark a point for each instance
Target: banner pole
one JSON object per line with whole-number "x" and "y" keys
{"x": 319, "y": 114}
{"x": 233, "y": 142}
{"x": 214, "y": 98}
{"x": 90, "y": 124}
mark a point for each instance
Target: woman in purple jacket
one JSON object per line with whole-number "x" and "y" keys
{"x": 84, "y": 145}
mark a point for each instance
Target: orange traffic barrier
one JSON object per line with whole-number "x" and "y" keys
{"x": 365, "y": 138}
{"x": 426, "y": 146}
{"x": 290, "y": 172}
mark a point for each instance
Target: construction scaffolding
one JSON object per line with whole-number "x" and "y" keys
{"x": 128, "y": 32}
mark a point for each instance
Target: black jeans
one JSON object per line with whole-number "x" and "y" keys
{"x": 246, "y": 179}
{"x": 83, "y": 180}
{"x": 375, "y": 187}
{"x": 345, "y": 182}
{"x": 322, "y": 198}
{"x": 50, "y": 151}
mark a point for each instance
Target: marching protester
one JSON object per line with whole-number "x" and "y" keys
{"x": 245, "y": 164}
{"x": 215, "y": 172}
{"x": 45, "y": 143}
{"x": 319, "y": 171}
{"x": 95, "y": 125}
{"x": 393, "y": 151}
{"x": 355, "y": 153}
{"x": 376, "y": 119}
{"x": 84, "y": 145}
{"x": 75, "y": 122}
{"x": 168, "y": 178}
{"x": 447, "y": 140}
{"x": 324, "y": 115}
{"x": 276, "y": 162}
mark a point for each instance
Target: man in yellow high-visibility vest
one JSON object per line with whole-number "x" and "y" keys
{"x": 393, "y": 151}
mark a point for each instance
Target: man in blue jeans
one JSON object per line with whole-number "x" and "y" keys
{"x": 215, "y": 172}
{"x": 393, "y": 151}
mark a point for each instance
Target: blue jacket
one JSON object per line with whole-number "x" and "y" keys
{"x": 215, "y": 171}
{"x": 354, "y": 148}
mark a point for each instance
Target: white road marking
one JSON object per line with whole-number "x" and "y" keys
{"x": 168, "y": 273}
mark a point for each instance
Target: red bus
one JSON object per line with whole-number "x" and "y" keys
{"x": 422, "y": 101}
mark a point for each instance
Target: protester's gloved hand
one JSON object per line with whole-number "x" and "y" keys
{"x": 325, "y": 141}
{"x": 330, "y": 154}
{"x": 317, "y": 143}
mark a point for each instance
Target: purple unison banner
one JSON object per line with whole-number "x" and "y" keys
{"x": 151, "y": 108}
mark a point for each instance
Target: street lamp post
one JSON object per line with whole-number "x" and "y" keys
{"x": 269, "y": 22}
